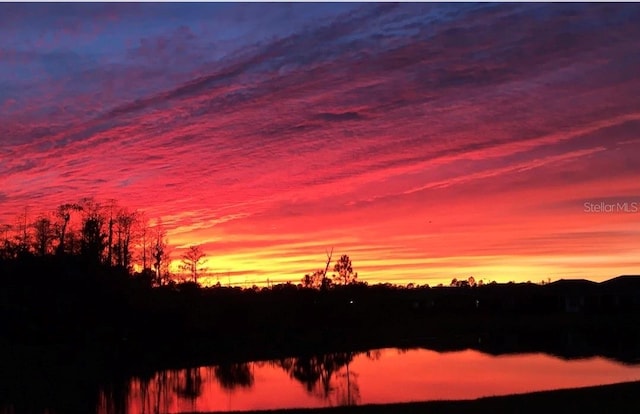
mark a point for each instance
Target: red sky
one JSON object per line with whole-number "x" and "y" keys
{"x": 426, "y": 141}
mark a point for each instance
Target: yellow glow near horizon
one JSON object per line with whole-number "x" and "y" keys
{"x": 239, "y": 270}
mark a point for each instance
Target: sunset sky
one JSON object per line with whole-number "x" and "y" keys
{"x": 427, "y": 141}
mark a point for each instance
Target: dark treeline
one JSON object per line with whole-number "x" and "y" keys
{"x": 91, "y": 233}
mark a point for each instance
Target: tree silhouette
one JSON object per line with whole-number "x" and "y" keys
{"x": 93, "y": 239}
{"x": 313, "y": 280}
{"x": 344, "y": 269}
{"x": 318, "y": 279}
{"x": 315, "y": 372}
{"x": 455, "y": 282}
{"x": 234, "y": 375}
{"x": 7, "y": 245}
{"x": 23, "y": 237}
{"x": 111, "y": 206}
{"x": 64, "y": 215}
{"x": 160, "y": 255}
{"x": 44, "y": 235}
{"x": 189, "y": 385}
{"x": 73, "y": 245}
{"x": 326, "y": 283}
{"x": 192, "y": 260}
{"x": 124, "y": 226}
{"x": 347, "y": 390}
{"x": 142, "y": 230}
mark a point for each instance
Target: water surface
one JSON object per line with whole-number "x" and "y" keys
{"x": 381, "y": 376}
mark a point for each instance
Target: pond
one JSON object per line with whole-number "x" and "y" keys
{"x": 379, "y": 376}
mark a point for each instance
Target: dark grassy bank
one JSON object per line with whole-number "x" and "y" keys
{"x": 615, "y": 398}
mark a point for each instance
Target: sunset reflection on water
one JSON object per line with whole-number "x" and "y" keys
{"x": 382, "y": 376}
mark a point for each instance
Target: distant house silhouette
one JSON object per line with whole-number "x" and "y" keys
{"x": 575, "y": 295}
{"x": 621, "y": 293}
{"x": 580, "y": 295}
